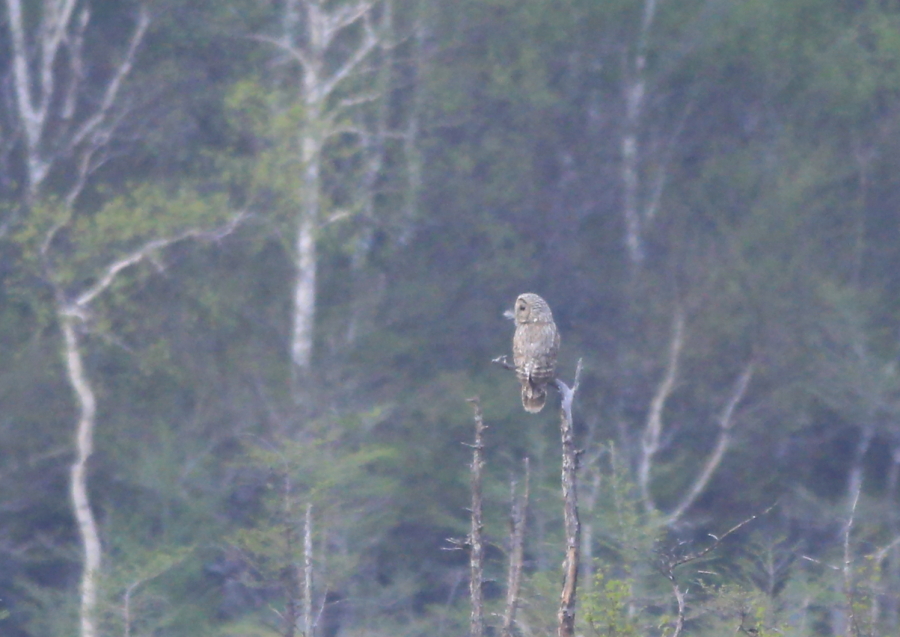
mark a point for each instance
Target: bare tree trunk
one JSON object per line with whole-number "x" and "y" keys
{"x": 308, "y": 624}
{"x": 290, "y": 576}
{"x": 852, "y": 627}
{"x": 304, "y": 295}
{"x": 519, "y": 516}
{"x": 723, "y": 443}
{"x": 321, "y": 26}
{"x": 855, "y": 478}
{"x": 635, "y": 94}
{"x": 653, "y": 428}
{"x": 33, "y": 94}
{"x": 70, "y": 315}
{"x": 566, "y": 614}
{"x": 475, "y": 541}
{"x": 84, "y": 444}
{"x": 47, "y": 92}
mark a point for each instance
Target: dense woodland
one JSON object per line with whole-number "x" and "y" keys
{"x": 254, "y": 258}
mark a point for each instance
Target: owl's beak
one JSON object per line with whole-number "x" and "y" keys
{"x": 510, "y": 315}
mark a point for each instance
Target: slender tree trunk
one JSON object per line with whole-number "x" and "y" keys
{"x": 566, "y": 614}
{"x": 307, "y": 222}
{"x": 475, "y": 540}
{"x": 516, "y": 551}
{"x": 307, "y": 574}
{"x": 84, "y": 444}
{"x": 309, "y": 215}
{"x": 312, "y": 28}
{"x": 304, "y": 294}
{"x": 635, "y": 95}
{"x": 650, "y": 440}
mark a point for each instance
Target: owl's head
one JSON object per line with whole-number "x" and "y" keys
{"x": 530, "y": 308}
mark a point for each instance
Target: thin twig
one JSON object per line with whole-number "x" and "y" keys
{"x": 668, "y": 566}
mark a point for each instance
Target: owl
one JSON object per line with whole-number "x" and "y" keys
{"x": 535, "y": 345}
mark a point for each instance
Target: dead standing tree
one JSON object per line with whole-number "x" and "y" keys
{"x": 475, "y": 541}
{"x": 566, "y": 615}
{"x": 518, "y": 516}
{"x": 569, "y": 479}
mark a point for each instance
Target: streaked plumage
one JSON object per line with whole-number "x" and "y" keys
{"x": 535, "y": 346}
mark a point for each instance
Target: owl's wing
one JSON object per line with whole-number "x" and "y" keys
{"x": 535, "y": 347}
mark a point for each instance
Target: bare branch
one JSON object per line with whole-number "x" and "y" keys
{"x": 33, "y": 110}
{"x": 692, "y": 557}
{"x": 284, "y": 44}
{"x": 90, "y": 126}
{"x": 76, "y": 64}
{"x": 144, "y": 252}
{"x": 370, "y": 41}
{"x": 669, "y": 563}
{"x": 723, "y": 442}
{"x": 348, "y": 103}
{"x": 654, "y": 426}
{"x": 347, "y": 15}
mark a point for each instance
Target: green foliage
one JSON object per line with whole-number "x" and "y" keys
{"x": 338, "y": 486}
{"x": 608, "y": 606}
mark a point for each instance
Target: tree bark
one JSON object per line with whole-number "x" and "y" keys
{"x": 723, "y": 443}
{"x": 321, "y": 26}
{"x": 70, "y": 315}
{"x": 84, "y": 445}
{"x": 304, "y": 294}
{"x": 566, "y": 614}
{"x": 635, "y": 95}
{"x": 517, "y": 546}
{"x": 653, "y": 428}
{"x": 475, "y": 540}
{"x": 47, "y": 114}
{"x": 308, "y": 624}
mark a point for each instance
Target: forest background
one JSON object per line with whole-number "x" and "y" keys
{"x": 254, "y": 258}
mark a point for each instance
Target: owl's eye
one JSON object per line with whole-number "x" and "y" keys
{"x": 522, "y": 307}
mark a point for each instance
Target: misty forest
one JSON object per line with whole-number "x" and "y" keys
{"x": 254, "y": 264}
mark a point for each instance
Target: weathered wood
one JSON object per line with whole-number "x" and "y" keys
{"x": 566, "y": 614}
{"x": 475, "y": 541}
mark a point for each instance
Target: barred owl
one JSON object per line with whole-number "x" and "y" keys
{"x": 535, "y": 345}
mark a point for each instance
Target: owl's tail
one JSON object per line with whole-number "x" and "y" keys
{"x": 533, "y": 397}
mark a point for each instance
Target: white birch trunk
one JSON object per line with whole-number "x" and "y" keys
{"x": 46, "y": 92}
{"x": 321, "y": 26}
{"x": 84, "y": 445}
{"x": 308, "y": 216}
{"x": 635, "y": 95}
{"x": 70, "y": 315}
{"x": 304, "y": 314}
